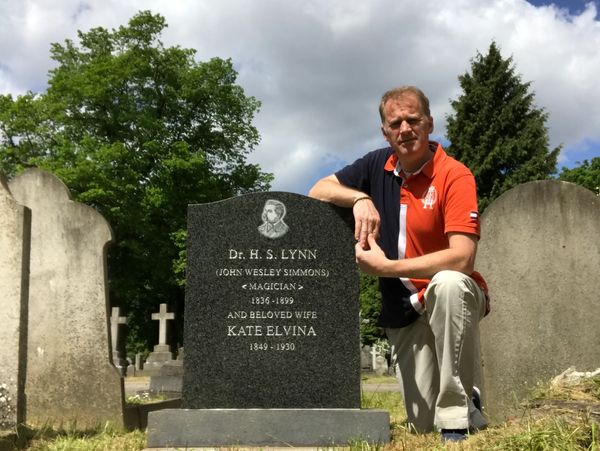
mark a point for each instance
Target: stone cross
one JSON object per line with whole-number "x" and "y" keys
{"x": 115, "y": 320}
{"x": 374, "y": 355}
{"x": 162, "y": 316}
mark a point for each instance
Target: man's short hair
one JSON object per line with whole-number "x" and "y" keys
{"x": 399, "y": 92}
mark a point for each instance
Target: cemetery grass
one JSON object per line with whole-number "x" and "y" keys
{"x": 554, "y": 418}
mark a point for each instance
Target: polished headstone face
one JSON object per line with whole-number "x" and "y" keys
{"x": 271, "y": 314}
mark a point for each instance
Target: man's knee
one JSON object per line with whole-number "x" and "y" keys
{"x": 447, "y": 281}
{"x": 451, "y": 287}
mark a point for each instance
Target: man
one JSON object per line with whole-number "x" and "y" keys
{"x": 417, "y": 227}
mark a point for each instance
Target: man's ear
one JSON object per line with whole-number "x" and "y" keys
{"x": 430, "y": 120}
{"x": 384, "y": 134}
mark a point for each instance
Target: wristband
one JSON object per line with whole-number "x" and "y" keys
{"x": 360, "y": 198}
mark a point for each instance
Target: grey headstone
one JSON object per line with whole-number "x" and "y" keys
{"x": 15, "y": 222}
{"x": 540, "y": 253}
{"x": 271, "y": 323}
{"x": 69, "y": 372}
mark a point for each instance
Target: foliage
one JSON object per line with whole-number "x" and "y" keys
{"x": 370, "y": 304}
{"x": 138, "y": 131}
{"x": 496, "y": 130}
{"x": 586, "y": 174}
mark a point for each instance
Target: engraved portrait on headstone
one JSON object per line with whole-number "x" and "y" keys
{"x": 272, "y": 217}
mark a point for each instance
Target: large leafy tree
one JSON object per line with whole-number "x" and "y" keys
{"x": 137, "y": 130}
{"x": 496, "y": 130}
{"x": 587, "y": 174}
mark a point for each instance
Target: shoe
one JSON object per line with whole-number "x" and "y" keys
{"x": 476, "y": 398}
{"x": 454, "y": 435}
{"x": 477, "y": 422}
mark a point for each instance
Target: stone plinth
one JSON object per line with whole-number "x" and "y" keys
{"x": 265, "y": 427}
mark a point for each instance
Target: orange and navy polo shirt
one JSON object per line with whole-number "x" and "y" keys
{"x": 417, "y": 212}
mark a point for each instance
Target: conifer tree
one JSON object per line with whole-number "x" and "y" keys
{"x": 496, "y": 129}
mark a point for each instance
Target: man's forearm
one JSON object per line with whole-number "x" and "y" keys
{"x": 329, "y": 189}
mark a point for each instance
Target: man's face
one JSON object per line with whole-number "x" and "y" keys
{"x": 271, "y": 214}
{"x": 406, "y": 128}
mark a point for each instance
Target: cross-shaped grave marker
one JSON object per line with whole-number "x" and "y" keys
{"x": 163, "y": 316}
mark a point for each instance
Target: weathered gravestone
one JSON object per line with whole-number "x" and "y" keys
{"x": 15, "y": 221}
{"x": 540, "y": 253}
{"x": 271, "y": 329}
{"x": 69, "y": 374}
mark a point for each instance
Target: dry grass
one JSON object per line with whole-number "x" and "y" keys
{"x": 555, "y": 418}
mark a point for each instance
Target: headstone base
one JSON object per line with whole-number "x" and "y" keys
{"x": 161, "y": 384}
{"x": 266, "y": 427}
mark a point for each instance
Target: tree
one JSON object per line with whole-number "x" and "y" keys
{"x": 586, "y": 175}
{"x": 139, "y": 131}
{"x": 496, "y": 130}
{"x": 370, "y": 305}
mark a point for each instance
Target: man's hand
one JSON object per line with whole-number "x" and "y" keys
{"x": 366, "y": 220}
{"x": 366, "y": 216}
{"x": 371, "y": 259}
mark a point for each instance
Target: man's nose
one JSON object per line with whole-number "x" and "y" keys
{"x": 405, "y": 127}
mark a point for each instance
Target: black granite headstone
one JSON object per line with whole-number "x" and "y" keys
{"x": 271, "y": 313}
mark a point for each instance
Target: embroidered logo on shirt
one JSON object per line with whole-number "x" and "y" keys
{"x": 474, "y": 215}
{"x": 429, "y": 198}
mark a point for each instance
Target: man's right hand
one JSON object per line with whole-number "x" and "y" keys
{"x": 366, "y": 220}
{"x": 366, "y": 216}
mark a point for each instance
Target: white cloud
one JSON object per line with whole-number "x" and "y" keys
{"x": 320, "y": 67}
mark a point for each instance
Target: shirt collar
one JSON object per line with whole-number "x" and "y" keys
{"x": 427, "y": 169}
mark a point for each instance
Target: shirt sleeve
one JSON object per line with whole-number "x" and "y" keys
{"x": 460, "y": 211}
{"x": 357, "y": 174}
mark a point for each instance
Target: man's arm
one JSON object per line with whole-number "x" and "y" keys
{"x": 366, "y": 216}
{"x": 460, "y": 256}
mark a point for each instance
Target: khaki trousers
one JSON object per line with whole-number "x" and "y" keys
{"x": 437, "y": 358}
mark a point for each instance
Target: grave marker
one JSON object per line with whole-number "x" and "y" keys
{"x": 70, "y": 376}
{"x": 15, "y": 222}
{"x": 540, "y": 254}
{"x": 162, "y": 351}
{"x": 162, "y": 317}
{"x": 271, "y": 329}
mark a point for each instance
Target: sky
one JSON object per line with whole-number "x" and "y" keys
{"x": 319, "y": 67}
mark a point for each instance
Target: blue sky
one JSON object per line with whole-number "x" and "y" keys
{"x": 319, "y": 67}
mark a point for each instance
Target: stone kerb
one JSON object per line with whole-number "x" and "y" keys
{"x": 69, "y": 370}
{"x": 540, "y": 253}
{"x": 15, "y": 222}
{"x": 271, "y": 330}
